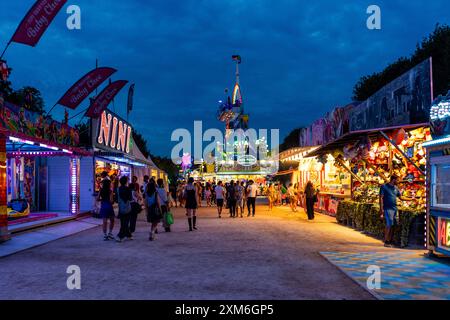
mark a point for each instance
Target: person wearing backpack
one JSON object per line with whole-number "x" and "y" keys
{"x": 153, "y": 208}
{"x": 124, "y": 198}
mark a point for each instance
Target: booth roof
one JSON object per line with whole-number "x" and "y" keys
{"x": 355, "y": 136}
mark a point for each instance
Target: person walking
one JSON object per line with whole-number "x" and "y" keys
{"x": 163, "y": 196}
{"x": 310, "y": 199}
{"x": 124, "y": 198}
{"x": 180, "y": 194}
{"x": 144, "y": 184}
{"x": 208, "y": 195}
{"x": 271, "y": 196}
{"x": 251, "y": 198}
{"x": 388, "y": 208}
{"x": 173, "y": 194}
{"x": 136, "y": 206}
{"x": 240, "y": 198}
{"x": 231, "y": 199}
{"x": 220, "y": 193}
{"x": 105, "y": 197}
{"x": 154, "y": 208}
{"x": 292, "y": 194}
{"x": 191, "y": 198}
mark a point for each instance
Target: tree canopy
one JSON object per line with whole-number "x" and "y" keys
{"x": 436, "y": 45}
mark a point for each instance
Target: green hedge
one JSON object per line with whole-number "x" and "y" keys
{"x": 366, "y": 217}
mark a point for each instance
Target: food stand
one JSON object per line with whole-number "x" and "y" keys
{"x": 326, "y": 173}
{"x": 438, "y": 178}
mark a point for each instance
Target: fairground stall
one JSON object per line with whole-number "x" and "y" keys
{"x": 370, "y": 158}
{"x": 42, "y": 168}
{"x": 328, "y": 177}
{"x": 115, "y": 153}
{"x": 438, "y": 178}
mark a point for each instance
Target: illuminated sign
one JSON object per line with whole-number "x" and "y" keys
{"x": 247, "y": 160}
{"x": 443, "y": 233}
{"x": 440, "y": 117}
{"x": 113, "y": 133}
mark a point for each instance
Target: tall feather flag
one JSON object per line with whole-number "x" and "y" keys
{"x": 85, "y": 86}
{"x": 36, "y": 21}
{"x": 101, "y": 102}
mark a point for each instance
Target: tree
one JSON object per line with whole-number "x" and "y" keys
{"x": 167, "y": 165}
{"x": 84, "y": 130}
{"x": 291, "y": 140}
{"x": 141, "y": 143}
{"x": 29, "y": 98}
{"x": 436, "y": 45}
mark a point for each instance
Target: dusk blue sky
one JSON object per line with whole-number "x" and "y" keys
{"x": 300, "y": 58}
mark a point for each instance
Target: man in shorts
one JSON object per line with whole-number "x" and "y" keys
{"x": 388, "y": 208}
{"x": 220, "y": 193}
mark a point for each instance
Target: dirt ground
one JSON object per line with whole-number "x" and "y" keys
{"x": 271, "y": 256}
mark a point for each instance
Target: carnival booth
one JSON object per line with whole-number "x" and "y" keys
{"x": 438, "y": 178}
{"x": 327, "y": 175}
{"x": 371, "y": 157}
{"x": 115, "y": 153}
{"x": 42, "y": 167}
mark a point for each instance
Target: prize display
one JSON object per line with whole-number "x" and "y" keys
{"x": 373, "y": 163}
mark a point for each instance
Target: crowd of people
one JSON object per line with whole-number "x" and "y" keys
{"x": 156, "y": 199}
{"x": 293, "y": 195}
{"x": 235, "y": 196}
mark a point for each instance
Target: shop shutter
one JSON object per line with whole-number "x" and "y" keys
{"x": 86, "y": 184}
{"x": 58, "y": 183}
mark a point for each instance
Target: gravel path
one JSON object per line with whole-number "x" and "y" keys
{"x": 272, "y": 256}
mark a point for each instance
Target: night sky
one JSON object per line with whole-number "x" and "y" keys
{"x": 300, "y": 58}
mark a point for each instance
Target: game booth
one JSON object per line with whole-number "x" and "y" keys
{"x": 370, "y": 158}
{"x": 41, "y": 168}
{"x": 438, "y": 178}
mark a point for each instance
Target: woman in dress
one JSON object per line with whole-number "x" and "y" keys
{"x": 105, "y": 196}
{"x": 191, "y": 198}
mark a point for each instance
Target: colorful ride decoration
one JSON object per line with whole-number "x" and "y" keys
{"x": 24, "y": 122}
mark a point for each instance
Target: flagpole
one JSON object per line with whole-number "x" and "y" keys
{"x": 78, "y": 113}
{"x": 51, "y": 109}
{"x": 4, "y": 50}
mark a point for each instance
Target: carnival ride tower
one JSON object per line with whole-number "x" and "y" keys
{"x": 231, "y": 111}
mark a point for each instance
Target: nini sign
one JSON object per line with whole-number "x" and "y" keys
{"x": 113, "y": 133}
